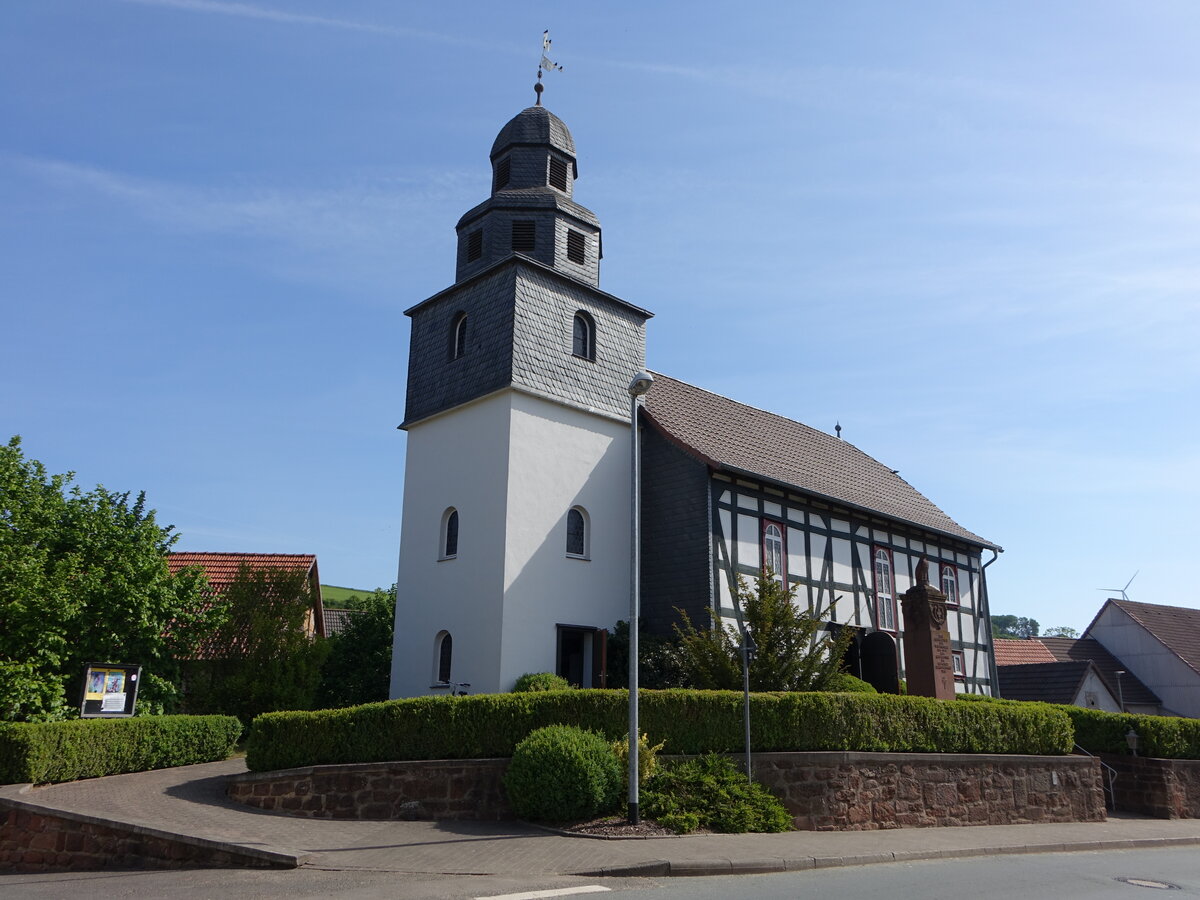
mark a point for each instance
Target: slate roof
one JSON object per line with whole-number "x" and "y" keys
{"x": 1176, "y": 627}
{"x": 1010, "y": 652}
{"x": 535, "y": 125}
{"x": 1049, "y": 682}
{"x": 1091, "y": 650}
{"x": 740, "y": 439}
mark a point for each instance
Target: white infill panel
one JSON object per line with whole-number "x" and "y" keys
{"x": 797, "y": 559}
{"x": 748, "y": 542}
{"x": 843, "y": 573}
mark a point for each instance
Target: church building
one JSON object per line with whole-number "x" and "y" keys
{"x": 515, "y": 549}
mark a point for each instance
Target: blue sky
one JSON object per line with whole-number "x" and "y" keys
{"x": 968, "y": 232}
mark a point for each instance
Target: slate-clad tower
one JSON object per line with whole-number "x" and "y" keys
{"x": 515, "y": 543}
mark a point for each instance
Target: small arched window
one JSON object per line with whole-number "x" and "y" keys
{"x": 583, "y": 339}
{"x": 444, "y": 654}
{"x": 577, "y": 532}
{"x": 885, "y": 597}
{"x": 449, "y": 542}
{"x": 772, "y": 552}
{"x": 950, "y": 585}
{"x": 458, "y": 336}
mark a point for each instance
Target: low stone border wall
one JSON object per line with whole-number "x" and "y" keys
{"x": 822, "y": 791}
{"x": 1164, "y": 788}
{"x": 37, "y": 839}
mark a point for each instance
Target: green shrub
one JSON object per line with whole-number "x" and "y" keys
{"x": 847, "y": 683}
{"x": 562, "y": 773}
{"x": 540, "y": 681}
{"x": 89, "y": 748}
{"x": 647, "y": 758}
{"x": 711, "y": 792}
{"x": 691, "y": 722}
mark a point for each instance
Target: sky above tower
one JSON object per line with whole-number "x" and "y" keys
{"x": 966, "y": 232}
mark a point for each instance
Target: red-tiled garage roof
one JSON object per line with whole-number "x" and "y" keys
{"x": 1021, "y": 653}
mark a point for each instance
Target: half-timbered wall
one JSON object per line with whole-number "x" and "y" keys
{"x": 829, "y": 555}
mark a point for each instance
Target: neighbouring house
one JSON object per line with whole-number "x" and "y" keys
{"x": 220, "y": 569}
{"x": 1158, "y": 644}
{"x": 338, "y": 620}
{"x": 515, "y": 555}
{"x": 1077, "y": 671}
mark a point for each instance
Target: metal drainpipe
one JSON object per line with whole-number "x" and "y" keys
{"x": 987, "y": 611}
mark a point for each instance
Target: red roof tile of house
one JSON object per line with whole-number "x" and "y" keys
{"x": 1021, "y": 653}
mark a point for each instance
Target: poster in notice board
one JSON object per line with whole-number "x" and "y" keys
{"x": 109, "y": 690}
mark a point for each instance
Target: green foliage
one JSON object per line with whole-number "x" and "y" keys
{"x": 1014, "y": 627}
{"x": 540, "y": 681}
{"x": 358, "y": 668}
{"x": 260, "y": 658}
{"x": 491, "y": 725}
{"x": 89, "y": 748}
{"x": 561, "y": 773}
{"x": 647, "y": 757}
{"x": 1061, "y": 631}
{"x": 659, "y": 663}
{"x": 711, "y": 792}
{"x": 84, "y": 578}
{"x": 845, "y": 682}
{"x": 794, "y": 653}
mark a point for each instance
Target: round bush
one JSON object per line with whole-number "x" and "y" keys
{"x": 560, "y": 773}
{"x": 540, "y": 681}
{"x": 845, "y": 682}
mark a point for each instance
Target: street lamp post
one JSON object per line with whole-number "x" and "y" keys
{"x": 637, "y": 388}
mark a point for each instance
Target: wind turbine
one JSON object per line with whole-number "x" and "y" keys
{"x": 1121, "y": 591}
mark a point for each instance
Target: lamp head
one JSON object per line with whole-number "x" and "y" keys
{"x": 641, "y": 384}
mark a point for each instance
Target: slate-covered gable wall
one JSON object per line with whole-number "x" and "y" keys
{"x": 542, "y": 340}
{"x": 437, "y": 382}
{"x": 676, "y": 564}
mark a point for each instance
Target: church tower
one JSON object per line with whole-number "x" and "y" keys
{"x": 514, "y": 551}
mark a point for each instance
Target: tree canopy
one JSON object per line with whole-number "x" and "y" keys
{"x": 1017, "y": 627}
{"x": 84, "y": 578}
{"x": 359, "y": 666}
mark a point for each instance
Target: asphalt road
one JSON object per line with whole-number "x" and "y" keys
{"x": 1053, "y": 876}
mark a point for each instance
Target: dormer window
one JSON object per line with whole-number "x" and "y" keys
{"x": 458, "y": 336}
{"x": 583, "y": 339}
{"x": 558, "y": 173}
{"x": 475, "y": 245}
{"x": 503, "y": 173}
{"x": 576, "y": 247}
{"x": 523, "y": 236}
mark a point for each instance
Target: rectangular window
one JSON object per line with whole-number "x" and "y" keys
{"x": 576, "y": 247}
{"x": 960, "y": 669}
{"x": 475, "y": 245}
{"x": 558, "y": 173}
{"x": 523, "y": 236}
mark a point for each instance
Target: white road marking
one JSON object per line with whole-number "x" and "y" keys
{"x": 554, "y": 892}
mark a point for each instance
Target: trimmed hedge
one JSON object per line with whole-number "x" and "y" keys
{"x": 690, "y": 722}
{"x": 1097, "y": 731}
{"x": 89, "y": 748}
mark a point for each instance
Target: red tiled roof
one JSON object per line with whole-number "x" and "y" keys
{"x": 743, "y": 440}
{"x": 222, "y": 568}
{"x": 1011, "y": 652}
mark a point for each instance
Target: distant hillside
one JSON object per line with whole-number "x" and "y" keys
{"x": 341, "y": 597}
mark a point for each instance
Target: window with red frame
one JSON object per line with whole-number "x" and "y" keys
{"x": 885, "y": 592}
{"x": 773, "y": 558}
{"x": 950, "y": 585}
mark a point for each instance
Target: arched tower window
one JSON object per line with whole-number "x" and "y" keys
{"x": 449, "y": 542}
{"x": 583, "y": 338}
{"x": 443, "y": 655}
{"x": 772, "y": 552}
{"x": 458, "y": 336}
{"x": 950, "y": 585}
{"x": 885, "y": 596}
{"x": 577, "y": 532}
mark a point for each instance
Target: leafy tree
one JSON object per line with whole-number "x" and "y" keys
{"x": 359, "y": 666}
{"x": 793, "y": 651}
{"x": 84, "y": 578}
{"x": 659, "y": 664}
{"x": 261, "y": 657}
{"x": 1014, "y": 627}
{"x": 1061, "y": 631}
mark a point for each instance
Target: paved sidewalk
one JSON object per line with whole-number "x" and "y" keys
{"x": 191, "y": 801}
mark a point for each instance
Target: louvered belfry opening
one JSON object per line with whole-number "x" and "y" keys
{"x": 523, "y": 236}
{"x": 503, "y": 173}
{"x": 475, "y": 245}
{"x": 558, "y": 173}
{"x": 576, "y": 247}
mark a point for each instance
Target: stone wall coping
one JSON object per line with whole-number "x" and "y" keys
{"x": 352, "y": 768}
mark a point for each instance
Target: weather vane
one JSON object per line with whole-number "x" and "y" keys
{"x": 546, "y": 65}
